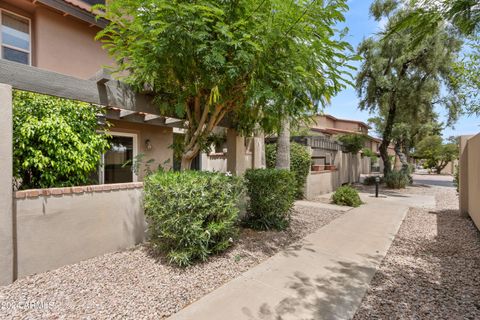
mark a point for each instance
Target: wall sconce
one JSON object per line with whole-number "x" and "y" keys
{"x": 148, "y": 144}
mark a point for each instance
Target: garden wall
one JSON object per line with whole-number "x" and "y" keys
{"x": 60, "y": 226}
{"x": 469, "y": 175}
{"x": 348, "y": 170}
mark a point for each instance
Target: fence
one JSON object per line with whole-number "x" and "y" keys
{"x": 469, "y": 177}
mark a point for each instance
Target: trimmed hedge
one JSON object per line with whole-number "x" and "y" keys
{"x": 271, "y": 198}
{"x": 397, "y": 180}
{"x": 300, "y": 162}
{"x": 192, "y": 214}
{"x": 346, "y": 196}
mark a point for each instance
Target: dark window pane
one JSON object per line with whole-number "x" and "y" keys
{"x": 15, "y": 55}
{"x": 15, "y": 31}
{"x": 121, "y": 152}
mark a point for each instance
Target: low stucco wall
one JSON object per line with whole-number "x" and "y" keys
{"x": 321, "y": 182}
{"x": 473, "y": 176}
{"x": 61, "y": 226}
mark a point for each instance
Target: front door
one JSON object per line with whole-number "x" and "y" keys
{"x": 118, "y": 160}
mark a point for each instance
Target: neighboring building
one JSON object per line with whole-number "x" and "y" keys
{"x": 58, "y": 36}
{"x": 332, "y": 127}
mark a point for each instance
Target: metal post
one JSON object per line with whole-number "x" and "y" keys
{"x": 377, "y": 181}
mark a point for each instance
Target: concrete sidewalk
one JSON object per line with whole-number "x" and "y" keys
{"x": 323, "y": 277}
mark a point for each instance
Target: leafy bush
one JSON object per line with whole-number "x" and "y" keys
{"x": 271, "y": 198}
{"x": 370, "y": 180}
{"x": 353, "y": 142}
{"x": 300, "y": 161}
{"x": 55, "y": 141}
{"x": 192, "y": 214}
{"x": 346, "y": 196}
{"x": 397, "y": 180}
{"x": 456, "y": 181}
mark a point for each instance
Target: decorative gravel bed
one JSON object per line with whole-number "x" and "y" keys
{"x": 136, "y": 284}
{"x": 432, "y": 270}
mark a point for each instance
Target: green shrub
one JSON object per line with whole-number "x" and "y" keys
{"x": 353, "y": 142}
{"x": 192, "y": 214}
{"x": 346, "y": 196}
{"x": 55, "y": 141}
{"x": 370, "y": 180}
{"x": 271, "y": 198}
{"x": 300, "y": 162}
{"x": 397, "y": 180}
{"x": 456, "y": 174}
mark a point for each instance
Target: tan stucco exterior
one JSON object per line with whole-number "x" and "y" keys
{"x": 66, "y": 45}
{"x": 6, "y": 212}
{"x": 161, "y": 138}
{"x": 469, "y": 175}
{"x": 56, "y": 230}
{"x": 60, "y": 42}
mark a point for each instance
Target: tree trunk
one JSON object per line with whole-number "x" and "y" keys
{"x": 402, "y": 157}
{"x": 387, "y": 135}
{"x": 283, "y": 145}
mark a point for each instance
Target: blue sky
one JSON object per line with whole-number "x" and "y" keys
{"x": 344, "y": 105}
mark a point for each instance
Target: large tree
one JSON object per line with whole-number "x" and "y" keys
{"x": 257, "y": 61}
{"x": 436, "y": 153}
{"x": 396, "y": 78}
{"x": 464, "y": 17}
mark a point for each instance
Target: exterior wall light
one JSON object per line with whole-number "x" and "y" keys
{"x": 148, "y": 144}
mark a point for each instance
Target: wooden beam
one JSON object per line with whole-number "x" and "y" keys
{"x": 172, "y": 120}
{"x": 126, "y": 113}
{"x": 101, "y": 91}
{"x": 149, "y": 117}
{"x": 102, "y": 76}
{"x": 111, "y": 94}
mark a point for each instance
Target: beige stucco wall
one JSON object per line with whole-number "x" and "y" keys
{"x": 66, "y": 45}
{"x": 53, "y": 231}
{"x": 473, "y": 145}
{"x": 6, "y": 214}
{"x": 348, "y": 170}
{"x": 161, "y": 138}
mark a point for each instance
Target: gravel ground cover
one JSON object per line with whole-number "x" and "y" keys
{"x": 432, "y": 270}
{"x": 136, "y": 284}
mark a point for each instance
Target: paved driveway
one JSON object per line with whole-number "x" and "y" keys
{"x": 434, "y": 180}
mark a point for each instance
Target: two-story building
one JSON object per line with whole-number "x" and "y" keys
{"x": 333, "y": 127}
{"x": 58, "y": 36}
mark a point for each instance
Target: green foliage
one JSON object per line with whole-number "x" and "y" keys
{"x": 258, "y": 61}
{"x": 300, "y": 162}
{"x": 346, "y": 196}
{"x": 55, "y": 141}
{"x": 192, "y": 214}
{"x": 370, "y": 180}
{"x": 397, "y": 180}
{"x": 353, "y": 142}
{"x": 456, "y": 175}
{"x": 271, "y": 198}
{"x": 401, "y": 83}
{"x": 367, "y": 152}
{"x": 436, "y": 153}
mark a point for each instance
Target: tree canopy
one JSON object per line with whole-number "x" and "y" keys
{"x": 399, "y": 82}
{"x": 254, "y": 61}
{"x": 436, "y": 153}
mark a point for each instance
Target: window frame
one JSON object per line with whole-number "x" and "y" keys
{"x": 134, "y": 136}
{"x": 13, "y": 47}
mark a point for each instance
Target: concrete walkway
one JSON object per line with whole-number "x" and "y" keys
{"x": 323, "y": 277}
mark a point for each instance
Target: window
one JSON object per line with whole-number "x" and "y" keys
{"x": 15, "y": 38}
{"x": 117, "y": 162}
